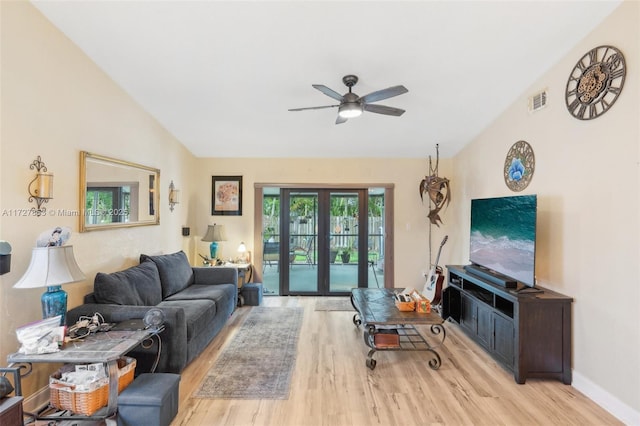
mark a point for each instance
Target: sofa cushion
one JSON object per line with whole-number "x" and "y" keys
{"x": 198, "y": 314}
{"x": 222, "y": 294}
{"x": 175, "y": 271}
{"x": 138, "y": 285}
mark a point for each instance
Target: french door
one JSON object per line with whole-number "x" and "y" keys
{"x": 323, "y": 241}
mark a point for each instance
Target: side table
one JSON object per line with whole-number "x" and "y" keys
{"x": 11, "y": 411}
{"x": 104, "y": 347}
{"x": 244, "y": 275}
{"x": 244, "y": 271}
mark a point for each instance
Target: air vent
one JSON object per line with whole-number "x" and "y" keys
{"x": 538, "y": 101}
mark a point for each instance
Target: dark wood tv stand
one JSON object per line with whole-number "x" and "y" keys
{"x": 528, "y": 333}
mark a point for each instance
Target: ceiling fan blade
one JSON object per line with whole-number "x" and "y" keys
{"x": 384, "y": 94}
{"x": 329, "y": 92}
{"x": 341, "y": 119}
{"x": 318, "y": 107}
{"x": 382, "y": 109}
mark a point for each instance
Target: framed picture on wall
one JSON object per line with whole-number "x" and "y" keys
{"x": 226, "y": 195}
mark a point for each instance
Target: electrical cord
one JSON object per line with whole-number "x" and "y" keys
{"x": 155, "y": 364}
{"x": 87, "y": 325}
{"x": 148, "y": 345}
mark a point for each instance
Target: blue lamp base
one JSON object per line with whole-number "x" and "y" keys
{"x": 54, "y": 303}
{"x": 213, "y": 249}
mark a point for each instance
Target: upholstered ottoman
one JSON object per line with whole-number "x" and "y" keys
{"x": 252, "y": 294}
{"x": 151, "y": 400}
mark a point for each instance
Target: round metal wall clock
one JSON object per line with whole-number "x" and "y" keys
{"x": 519, "y": 166}
{"x": 595, "y": 82}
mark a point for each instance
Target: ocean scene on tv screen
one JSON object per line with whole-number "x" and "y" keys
{"x": 503, "y": 235}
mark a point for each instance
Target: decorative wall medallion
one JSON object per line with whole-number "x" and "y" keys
{"x": 595, "y": 82}
{"x": 519, "y": 166}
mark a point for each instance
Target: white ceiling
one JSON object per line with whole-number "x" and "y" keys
{"x": 221, "y": 75}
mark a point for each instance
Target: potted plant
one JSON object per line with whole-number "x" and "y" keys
{"x": 345, "y": 255}
{"x": 346, "y": 252}
{"x": 333, "y": 253}
{"x": 269, "y": 233}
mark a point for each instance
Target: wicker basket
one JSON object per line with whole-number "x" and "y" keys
{"x": 126, "y": 369}
{"x": 64, "y": 396}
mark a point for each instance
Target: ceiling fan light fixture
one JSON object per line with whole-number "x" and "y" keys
{"x": 350, "y": 110}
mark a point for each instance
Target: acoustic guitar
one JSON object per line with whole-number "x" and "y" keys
{"x": 433, "y": 287}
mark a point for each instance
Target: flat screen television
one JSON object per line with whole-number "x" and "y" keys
{"x": 503, "y": 236}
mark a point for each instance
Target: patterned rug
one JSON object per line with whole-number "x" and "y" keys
{"x": 334, "y": 304}
{"x": 259, "y": 360}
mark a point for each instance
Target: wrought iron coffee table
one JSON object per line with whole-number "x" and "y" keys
{"x": 377, "y": 313}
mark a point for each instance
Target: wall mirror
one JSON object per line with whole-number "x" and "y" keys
{"x": 116, "y": 193}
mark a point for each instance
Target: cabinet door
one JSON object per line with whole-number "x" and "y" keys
{"x": 451, "y": 304}
{"x": 468, "y": 316}
{"x": 485, "y": 329}
{"x": 503, "y": 339}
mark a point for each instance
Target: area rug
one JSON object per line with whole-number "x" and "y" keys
{"x": 334, "y": 304}
{"x": 259, "y": 360}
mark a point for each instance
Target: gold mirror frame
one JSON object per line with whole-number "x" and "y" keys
{"x": 116, "y": 193}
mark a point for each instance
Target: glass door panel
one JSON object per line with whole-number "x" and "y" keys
{"x": 375, "y": 238}
{"x": 302, "y": 231}
{"x": 344, "y": 241}
{"x": 271, "y": 265}
{"x": 322, "y": 241}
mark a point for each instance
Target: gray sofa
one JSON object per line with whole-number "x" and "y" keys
{"x": 197, "y": 302}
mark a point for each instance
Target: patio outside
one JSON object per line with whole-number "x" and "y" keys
{"x": 303, "y": 276}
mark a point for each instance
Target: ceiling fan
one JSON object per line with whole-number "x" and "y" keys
{"x": 352, "y": 105}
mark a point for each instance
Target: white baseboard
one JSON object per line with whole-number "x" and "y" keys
{"x": 613, "y": 405}
{"x": 33, "y": 402}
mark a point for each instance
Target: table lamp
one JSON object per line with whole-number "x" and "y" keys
{"x": 244, "y": 253}
{"x": 214, "y": 234}
{"x": 52, "y": 267}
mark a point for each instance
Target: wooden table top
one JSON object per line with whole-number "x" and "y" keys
{"x": 376, "y": 306}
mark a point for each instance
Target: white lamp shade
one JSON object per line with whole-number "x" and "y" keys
{"x": 44, "y": 185}
{"x": 51, "y": 266}
{"x": 174, "y": 196}
{"x": 242, "y": 248}
{"x": 215, "y": 233}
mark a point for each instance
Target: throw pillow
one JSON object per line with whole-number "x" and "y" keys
{"x": 175, "y": 271}
{"x": 138, "y": 285}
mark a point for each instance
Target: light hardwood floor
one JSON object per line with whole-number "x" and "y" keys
{"x": 332, "y": 386}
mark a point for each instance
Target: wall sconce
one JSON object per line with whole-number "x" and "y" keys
{"x": 174, "y": 196}
{"x": 41, "y": 187}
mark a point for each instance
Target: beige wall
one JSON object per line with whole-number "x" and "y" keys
{"x": 411, "y": 223}
{"x": 586, "y": 179}
{"x": 56, "y": 103}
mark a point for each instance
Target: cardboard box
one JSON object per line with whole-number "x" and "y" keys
{"x": 423, "y": 305}
{"x": 386, "y": 338}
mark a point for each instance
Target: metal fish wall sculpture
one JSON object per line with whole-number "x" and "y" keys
{"x": 438, "y": 190}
